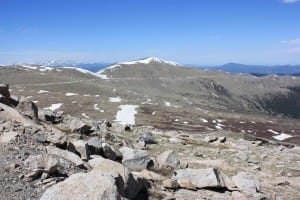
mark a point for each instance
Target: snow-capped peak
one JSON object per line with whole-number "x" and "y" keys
{"x": 147, "y": 61}
{"x": 141, "y": 61}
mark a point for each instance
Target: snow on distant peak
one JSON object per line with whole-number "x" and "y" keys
{"x": 141, "y": 61}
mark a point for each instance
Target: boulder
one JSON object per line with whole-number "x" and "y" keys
{"x": 8, "y": 113}
{"x": 51, "y": 116}
{"x": 40, "y": 164}
{"x": 28, "y": 109}
{"x": 4, "y": 90}
{"x": 80, "y": 147}
{"x": 147, "y": 138}
{"x": 200, "y": 178}
{"x": 170, "y": 184}
{"x": 242, "y": 155}
{"x": 246, "y": 182}
{"x": 93, "y": 185}
{"x": 132, "y": 185}
{"x": 95, "y": 146}
{"x": 149, "y": 175}
{"x": 78, "y": 126}
{"x": 135, "y": 160}
{"x": 56, "y": 136}
{"x": 109, "y": 152}
{"x": 67, "y": 155}
{"x": 168, "y": 159}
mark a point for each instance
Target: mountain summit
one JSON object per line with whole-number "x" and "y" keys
{"x": 150, "y": 66}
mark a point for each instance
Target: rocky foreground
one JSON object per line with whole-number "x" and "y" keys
{"x": 48, "y": 155}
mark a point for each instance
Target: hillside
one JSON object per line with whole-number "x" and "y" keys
{"x": 167, "y": 95}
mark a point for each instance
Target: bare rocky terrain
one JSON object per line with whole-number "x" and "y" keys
{"x": 184, "y": 133}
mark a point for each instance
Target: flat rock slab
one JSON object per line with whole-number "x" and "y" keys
{"x": 65, "y": 154}
{"x": 200, "y": 178}
{"x": 246, "y": 182}
{"x": 135, "y": 160}
{"x": 92, "y": 185}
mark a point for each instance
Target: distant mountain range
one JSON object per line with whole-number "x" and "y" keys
{"x": 257, "y": 69}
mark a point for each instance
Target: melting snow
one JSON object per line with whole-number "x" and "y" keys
{"x": 203, "y": 120}
{"x": 241, "y": 122}
{"x": 70, "y": 94}
{"x": 218, "y": 127}
{"x": 115, "y": 99}
{"x": 42, "y": 91}
{"x": 43, "y": 69}
{"x": 97, "y": 108}
{"x": 54, "y": 106}
{"x": 86, "y": 95}
{"x": 282, "y": 136}
{"x": 153, "y": 113}
{"x": 85, "y": 115}
{"x": 185, "y": 122}
{"x": 88, "y": 72}
{"x": 274, "y": 132}
{"x": 168, "y": 104}
{"x": 126, "y": 115}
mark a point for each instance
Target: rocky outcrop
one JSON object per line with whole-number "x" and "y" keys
{"x": 168, "y": 159}
{"x": 200, "y": 178}
{"x": 92, "y": 185}
{"x": 135, "y": 160}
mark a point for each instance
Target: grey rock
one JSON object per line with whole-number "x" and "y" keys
{"x": 95, "y": 146}
{"x": 40, "y": 164}
{"x": 135, "y": 160}
{"x": 132, "y": 185}
{"x": 77, "y": 126}
{"x": 28, "y": 109}
{"x": 170, "y": 184}
{"x": 92, "y": 185}
{"x": 242, "y": 155}
{"x": 109, "y": 152}
{"x": 168, "y": 159}
{"x": 246, "y": 182}
{"x": 67, "y": 155}
{"x": 56, "y": 136}
{"x": 200, "y": 178}
{"x": 80, "y": 147}
{"x": 147, "y": 138}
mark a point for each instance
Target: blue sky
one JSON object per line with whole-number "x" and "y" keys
{"x": 208, "y": 32}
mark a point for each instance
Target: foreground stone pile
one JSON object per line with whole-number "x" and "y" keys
{"x": 47, "y": 155}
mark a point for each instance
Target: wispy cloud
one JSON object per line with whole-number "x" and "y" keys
{"x": 291, "y": 42}
{"x": 290, "y": 1}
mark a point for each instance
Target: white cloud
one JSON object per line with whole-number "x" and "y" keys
{"x": 290, "y": 1}
{"x": 291, "y": 42}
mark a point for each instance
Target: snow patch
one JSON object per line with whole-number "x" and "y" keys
{"x": 115, "y": 99}
{"x": 54, "y": 106}
{"x": 42, "y": 91}
{"x": 274, "y": 132}
{"x": 282, "y": 136}
{"x": 69, "y": 94}
{"x": 126, "y": 116}
{"x": 101, "y": 76}
{"x": 85, "y": 115}
{"x": 203, "y": 120}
